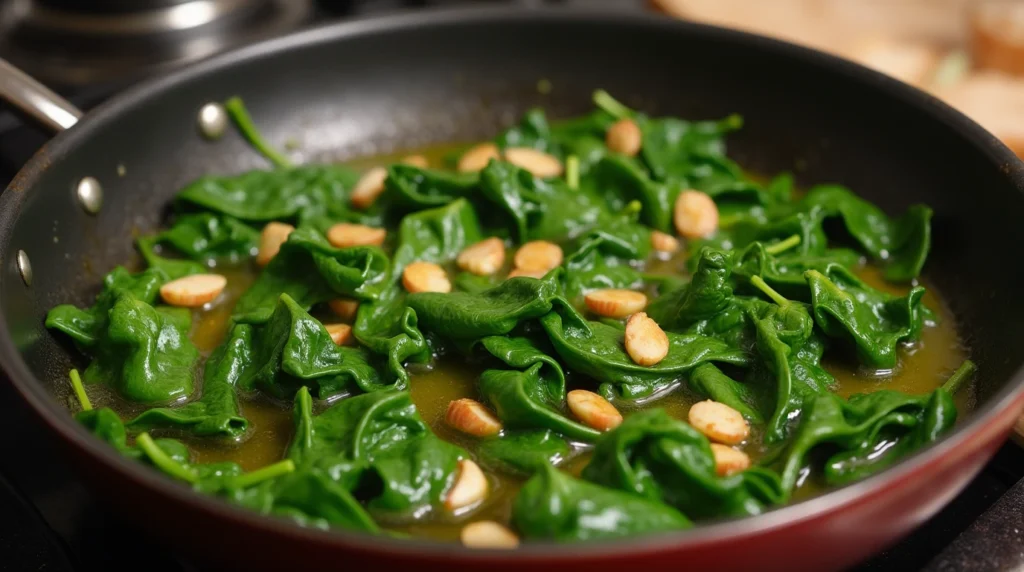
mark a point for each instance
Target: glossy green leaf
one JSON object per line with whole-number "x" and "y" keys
{"x": 901, "y": 245}
{"x": 595, "y": 349}
{"x": 790, "y": 357}
{"x": 264, "y": 196}
{"x": 867, "y": 433}
{"x": 413, "y": 187}
{"x": 465, "y": 316}
{"x": 874, "y": 322}
{"x": 407, "y": 467}
{"x": 309, "y": 270}
{"x": 543, "y": 209}
{"x": 207, "y": 237}
{"x": 86, "y": 326}
{"x": 144, "y": 353}
{"x": 533, "y": 395}
{"x": 556, "y": 507}
{"x": 665, "y": 460}
{"x": 293, "y": 350}
{"x": 608, "y": 256}
{"x": 216, "y": 411}
{"x": 522, "y": 453}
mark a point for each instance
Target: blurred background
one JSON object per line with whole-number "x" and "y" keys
{"x": 969, "y": 53}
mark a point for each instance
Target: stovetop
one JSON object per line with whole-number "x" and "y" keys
{"x": 49, "y": 521}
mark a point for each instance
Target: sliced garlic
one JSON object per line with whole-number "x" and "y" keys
{"x": 719, "y": 422}
{"x": 538, "y": 163}
{"x": 624, "y": 137}
{"x": 425, "y": 277}
{"x": 418, "y": 161}
{"x": 369, "y": 187}
{"x": 472, "y": 418}
{"x": 614, "y": 303}
{"x": 476, "y": 158}
{"x": 193, "y": 291}
{"x": 538, "y": 255}
{"x": 345, "y": 235}
{"x": 593, "y": 410}
{"x": 645, "y": 341}
{"x": 470, "y": 487}
{"x": 695, "y": 214}
{"x": 274, "y": 235}
{"x": 341, "y": 334}
{"x": 483, "y": 258}
{"x": 344, "y": 308}
{"x": 663, "y": 242}
{"x": 729, "y": 461}
{"x": 488, "y": 534}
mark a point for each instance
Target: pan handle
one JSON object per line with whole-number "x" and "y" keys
{"x": 35, "y": 100}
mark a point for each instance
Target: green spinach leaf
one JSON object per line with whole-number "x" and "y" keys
{"x": 554, "y": 506}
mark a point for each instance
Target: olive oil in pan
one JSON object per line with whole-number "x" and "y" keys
{"x": 923, "y": 367}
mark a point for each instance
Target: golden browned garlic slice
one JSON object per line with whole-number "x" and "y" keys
{"x": 369, "y": 187}
{"x": 593, "y": 410}
{"x": 614, "y": 303}
{"x": 695, "y": 214}
{"x": 425, "y": 277}
{"x": 517, "y": 272}
{"x": 719, "y": 422}
{"x": 645, "y": 341}
{"x": 624, "y": 137}
{"x": 538, "y": 163}
{"x": 729, "y": 461}
{"x": 193, "y": 291}
{"x": 341, "y": 334}
{"x": 477, "y": 157}
{"x": 489, "y": 535}
{"x": 274, "y": 235}
{"x": 418, "y": 161}
{"x": 483, "y": 258}
{"x": 663, "y": 242}
{"x": 344, "y": 308}
{"x": 344, "y": 235}
{"x": 470, "y": 487}
{"x": 472, "y": 418}
{"x": 538, "y": 256}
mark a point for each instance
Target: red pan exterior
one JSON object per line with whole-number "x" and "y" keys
{"x": 832, "y": 539}
{"x": 942, "y": 157}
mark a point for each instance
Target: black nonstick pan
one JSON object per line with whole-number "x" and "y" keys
{"x": 377, "y": 85}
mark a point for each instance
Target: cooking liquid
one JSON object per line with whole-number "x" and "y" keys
{"x": 923, "y": 366}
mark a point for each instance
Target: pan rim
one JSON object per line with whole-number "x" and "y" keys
{"x": 56, "y": 418}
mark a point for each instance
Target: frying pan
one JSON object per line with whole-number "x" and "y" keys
{"x": 371, "y": 86}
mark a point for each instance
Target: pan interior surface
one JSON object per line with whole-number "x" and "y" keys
{"x": 342, "y": 93}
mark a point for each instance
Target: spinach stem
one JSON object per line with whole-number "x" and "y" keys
{"x": 163, "y": 461}
{"x": 605, "y": 101}
{"x": 783, "y": 245}
{"x": 960, "y": 376}
{"x": 768, "y": 290}
{"x": 236, "y": 110}
{"x": 76, "y": 384}
{"x": 572, "y": 171}
{"x": 727, "y": 221}
{"x": 264, "y": 473}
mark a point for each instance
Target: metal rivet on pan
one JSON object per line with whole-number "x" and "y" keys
{"x": 213, "y": 120}
{"x": 25, "y": 268}
{"x": 90, "y": 195}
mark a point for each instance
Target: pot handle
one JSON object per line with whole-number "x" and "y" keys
{"x": 35, "y": 100}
